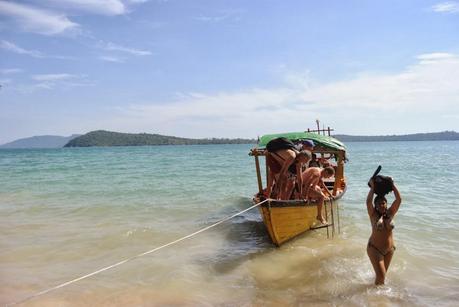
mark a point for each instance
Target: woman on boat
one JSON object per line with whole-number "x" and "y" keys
{"x": 314, "y": 187}
{"x": 381, "y": 246}
{"x": 285, "y": 164}
{"x": 285, "y": 168}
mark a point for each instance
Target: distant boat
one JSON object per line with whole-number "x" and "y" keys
{"x": 286, "y": 219}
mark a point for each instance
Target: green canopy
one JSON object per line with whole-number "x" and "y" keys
{"x": 325, "y": 141}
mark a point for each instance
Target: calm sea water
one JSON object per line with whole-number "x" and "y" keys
{"x": 68, "y": 212}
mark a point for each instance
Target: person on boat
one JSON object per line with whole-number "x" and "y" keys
{"x": 282, "y": 183}
{"x": 307, "y": 145}
{"x": 314, "y": 162}
{"x": 314, "y": 187}
{"x": 380, "y": 248}
{"x": 285, "y": 164}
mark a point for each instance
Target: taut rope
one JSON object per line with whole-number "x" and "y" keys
{"x": 133, "y": 257}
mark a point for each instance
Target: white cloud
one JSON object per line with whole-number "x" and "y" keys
{"x": 8, "y": 71}
{"x": 383, "y": 103}
{"x": 109, "y": 58}
{"x": 431, "y": 58}
{"x": 100, "y": 7}
{"x": 232, "y": 15}
{"x": 113, "y": 47}
{"x": 16, "y": 49}
{"x": 54, "y": 77}
{"x": 61, "y": 80}
{"x": 446, "y": 7}
{"x": 9, "y": 46}
{"x": 32, "y": 19}
{"x": 212, "y": 18}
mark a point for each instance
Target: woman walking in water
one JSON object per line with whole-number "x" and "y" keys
{"x": 381, "y": 246}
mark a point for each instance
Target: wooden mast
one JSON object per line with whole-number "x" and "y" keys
{"x": 257, "y": 166}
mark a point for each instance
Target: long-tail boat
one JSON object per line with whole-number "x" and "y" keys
{"x": 286, "y": 219}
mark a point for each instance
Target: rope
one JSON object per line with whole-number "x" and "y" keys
{"x": 133, "y": 257}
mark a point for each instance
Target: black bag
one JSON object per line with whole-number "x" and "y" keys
{"x": 279, "y": 144}
{"x": 383, "y": 184}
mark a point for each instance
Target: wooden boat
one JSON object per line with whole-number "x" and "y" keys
{"x": 286, "y": 219}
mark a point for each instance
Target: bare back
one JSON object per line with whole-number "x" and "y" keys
{"x": 311, "y": 176}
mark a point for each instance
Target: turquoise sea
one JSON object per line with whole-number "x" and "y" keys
{"x": 68, "y": 212}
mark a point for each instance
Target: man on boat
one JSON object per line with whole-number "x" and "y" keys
{"x": 307, "y": 145}
{"x": 314, "y": 162}
{"x": 314, "y": 187}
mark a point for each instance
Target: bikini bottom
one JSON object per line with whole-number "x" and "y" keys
{"x": 391, "y": 250}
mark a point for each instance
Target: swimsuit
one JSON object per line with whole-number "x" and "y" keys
{"x": 386, "y": 218}
{"x": 390, "y": 250}
{"x": 276, "y": 167}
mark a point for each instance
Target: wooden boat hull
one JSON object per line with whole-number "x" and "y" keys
{"x": 285, "y": 223}
{"x": 285, "y": 220}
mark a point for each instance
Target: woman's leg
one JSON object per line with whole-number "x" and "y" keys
{"x": 388, "y": 259}
{"x": 317, "y": 195}
{"x": 377, "y": 260}
{"x": 288, "y": 189}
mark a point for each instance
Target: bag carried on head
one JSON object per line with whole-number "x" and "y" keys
{"x": 383, "y": 184}
{"x": 279, "y": 144}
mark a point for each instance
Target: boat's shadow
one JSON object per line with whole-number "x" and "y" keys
{"x": 245, "y": 236}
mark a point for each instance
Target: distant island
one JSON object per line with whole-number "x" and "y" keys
{"x": 436, "y": 136}
{"x": 40, "y": 141}
{"x": 109, "y": 138}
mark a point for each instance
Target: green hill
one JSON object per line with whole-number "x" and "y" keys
{"x": 108, "y": 138}
{"x": 436, "y": 136}
{"x": 40, "y": 141}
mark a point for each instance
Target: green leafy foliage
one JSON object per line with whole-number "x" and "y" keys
{"x": 108, "y": 138}
{"x": 436, "y": 136}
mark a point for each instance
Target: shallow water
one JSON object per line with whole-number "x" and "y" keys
{"x": 68, "y": 212}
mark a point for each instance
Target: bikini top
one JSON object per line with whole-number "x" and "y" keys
{"x": 384, "y": 221}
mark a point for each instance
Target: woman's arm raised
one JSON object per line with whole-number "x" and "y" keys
{"x": 398, "y": 200}
{"x": 370, "y": 195}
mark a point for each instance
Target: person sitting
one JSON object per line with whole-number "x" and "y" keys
{"x": 314, "y": 162}
{"x": 285, "y": 167}
{"x": 314, "y": 188}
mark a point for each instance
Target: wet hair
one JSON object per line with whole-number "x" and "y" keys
{"x": 329, "y": 170}
{"x": 379, "y": 199}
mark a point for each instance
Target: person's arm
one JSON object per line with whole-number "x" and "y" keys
{"x": 324, "y": 186}
{"x": 306, "y": 184}
{"x": 299, "y": 177}
{"x": 370, "y": 195}
{"x": 398, "y": 200}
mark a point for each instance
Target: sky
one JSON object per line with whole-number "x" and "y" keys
{"x": 237, "y": 68}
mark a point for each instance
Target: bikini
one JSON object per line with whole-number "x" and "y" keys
{"x": 276, "y": 167}
{"x": 291, "y": 170}
{"x": 386, "y": 218}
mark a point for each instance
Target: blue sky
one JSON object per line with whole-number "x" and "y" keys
{"x": 227, "y": 68}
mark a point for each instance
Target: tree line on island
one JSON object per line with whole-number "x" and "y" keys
{"x": 434, "y": 136}
{"x": 109, "y": 138}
